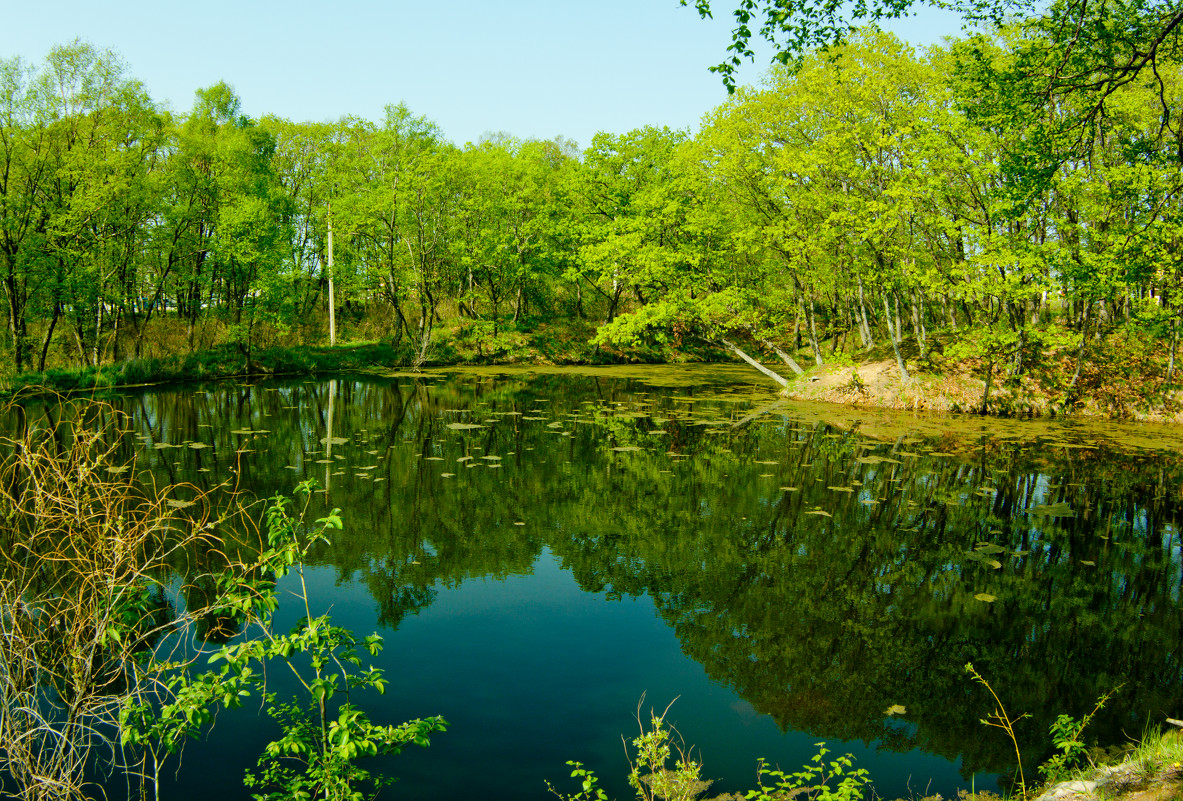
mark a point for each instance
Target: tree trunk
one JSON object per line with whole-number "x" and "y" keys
{"x": 18, "y": 326}
{"x": 1170, "y": 376}
{"x": 1084, "y": 339}
{"x": 864, "y": 324}
{"x": 817, "y": 351}
{"x": 1017, "y": 362}
{"x": 918, "y": 320}
{"x": 116, "y": 329}
{"x": 784, "y": 357}
{"x": 895, "y": 343}
{"x": 53, "y": 321}
{"x": 81, "y": 347}
{"x": 784, "y": 382}
{"x": 838, "y": 336}
{"x": 969, "y": 316}
{"x": 332, "y": 293}
{"x": 986, "y": 394}
{"x": 899, "y": 326}
{"x": 96, "y": 353}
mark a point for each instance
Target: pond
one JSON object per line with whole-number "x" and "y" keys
{"x": 545, "y": 552}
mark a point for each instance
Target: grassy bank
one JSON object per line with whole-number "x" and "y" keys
{"x": 1123, "y": 378}
{"x": 1148, "y": 770}
{"x": 215, "y": 363}
{"x": 460, "y": 343}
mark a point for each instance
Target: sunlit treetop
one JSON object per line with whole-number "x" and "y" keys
{"x": 1099, "y": 43}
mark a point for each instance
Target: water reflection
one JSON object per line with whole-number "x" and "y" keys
{"x": 821, "y": 575}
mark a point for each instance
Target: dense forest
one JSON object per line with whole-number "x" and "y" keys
{"x": 996, "y": 199}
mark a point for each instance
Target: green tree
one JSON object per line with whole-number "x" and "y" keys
{"x": 78, "y": 143}
{"x": 508, "y": 245}
{"x": 1096, "y": 47}
{"x": 393, "y": 212}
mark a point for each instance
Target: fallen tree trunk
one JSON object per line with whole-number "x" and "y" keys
{"x": 784, "y": 382}
{"x": 784, "y": 357}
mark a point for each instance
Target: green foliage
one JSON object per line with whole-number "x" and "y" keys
{"x": 590, "y": 790}
{"x": 813, "y": 780}
{"x": 324, "y": 733}
{"x": 1066, "y": 732}
{"x": 651, "y": 774}
{"x": 981, "y": 191}
{"x": 661, "y": 768}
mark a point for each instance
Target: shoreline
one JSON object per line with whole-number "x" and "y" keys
{"x": 869, "y": 385}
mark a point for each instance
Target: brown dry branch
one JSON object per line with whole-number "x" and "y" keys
{"x": 88, "y": 552}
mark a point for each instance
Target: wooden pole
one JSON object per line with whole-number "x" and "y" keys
{"x": 332, "y": 300}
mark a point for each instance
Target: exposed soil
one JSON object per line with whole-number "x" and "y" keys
{"x": 960, "y": 388}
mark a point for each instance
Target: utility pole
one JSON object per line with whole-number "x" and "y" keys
{"x": 332, "y": 300}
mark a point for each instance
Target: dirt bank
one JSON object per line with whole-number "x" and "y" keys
{"x": 959, "y": 388}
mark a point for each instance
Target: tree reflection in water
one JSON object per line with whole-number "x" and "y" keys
{"x": 820, "y": 574}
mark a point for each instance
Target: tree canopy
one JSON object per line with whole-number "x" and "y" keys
{"x": 947, "y": 203}
{"x": 1087, "y": 46}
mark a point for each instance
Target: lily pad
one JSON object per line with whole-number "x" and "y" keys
{"x": 332, "y": 440}
{"x": 1054, "y": 510}
{"x": 463, "y": 426}
{"x": 896, "y": 709}
{"x": 174, "y": 503}
{"x": 626, "y": 448}
{"x": 986, "y": 597}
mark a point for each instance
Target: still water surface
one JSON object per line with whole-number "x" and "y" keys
{"x": 542, "y": 550}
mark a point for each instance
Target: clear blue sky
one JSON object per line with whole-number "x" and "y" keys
{"x": 532, "y": 68}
